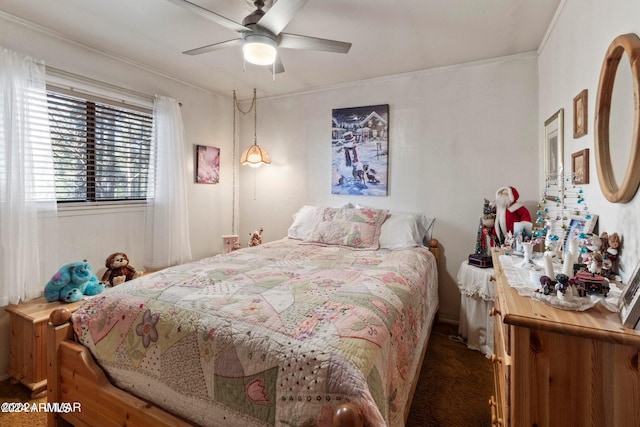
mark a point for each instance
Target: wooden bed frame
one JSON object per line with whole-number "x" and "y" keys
{"x": 74, "y": 376}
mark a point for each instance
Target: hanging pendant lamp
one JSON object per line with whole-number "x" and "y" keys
{"x": 255, "y": 155}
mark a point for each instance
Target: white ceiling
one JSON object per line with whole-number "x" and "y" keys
{"x": 388, "y": 37}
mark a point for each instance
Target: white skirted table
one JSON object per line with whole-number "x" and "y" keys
{"x": 476, "y": 299}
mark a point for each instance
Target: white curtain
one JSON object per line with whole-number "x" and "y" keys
{"x": 28, "y": 217}
{"x": 167, "y": 222}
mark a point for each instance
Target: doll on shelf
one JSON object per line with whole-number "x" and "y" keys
{"x": 610, "y": 250}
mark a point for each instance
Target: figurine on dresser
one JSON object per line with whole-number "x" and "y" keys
{"x": 610, "y": 247}
{"x": 485, "y": 238}
{"x": 508, "y": 212}
{"x": 595, "y": 263}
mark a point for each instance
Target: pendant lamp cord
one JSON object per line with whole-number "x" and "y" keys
{"x": 236, "y": 106}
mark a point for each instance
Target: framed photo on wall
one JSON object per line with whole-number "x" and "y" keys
{"x": 207, "y": 164}
{"x": 554, "y": 147}
{"x": 580, "y": 114}
{"x": 360, "y": 150}
{"x": 580, "y": 167}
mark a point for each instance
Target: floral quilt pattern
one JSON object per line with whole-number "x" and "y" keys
{"x": 273, "y": 335}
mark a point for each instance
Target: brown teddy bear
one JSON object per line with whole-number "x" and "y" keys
{"x": 119, "y": 270}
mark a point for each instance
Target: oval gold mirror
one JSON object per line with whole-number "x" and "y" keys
{"x": 629, "y": 45}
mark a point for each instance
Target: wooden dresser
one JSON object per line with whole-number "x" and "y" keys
{"x": 561, "y": 368}
{"x": 28, "y": 352}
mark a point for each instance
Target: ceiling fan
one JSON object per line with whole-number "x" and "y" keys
{"x": 260, "y": 32}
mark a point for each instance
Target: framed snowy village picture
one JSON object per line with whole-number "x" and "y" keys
{"x": 360, "y": 150}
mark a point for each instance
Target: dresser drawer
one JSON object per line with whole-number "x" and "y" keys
{"x": 501, "y": 369}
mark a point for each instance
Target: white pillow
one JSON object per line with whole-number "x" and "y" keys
{"x": 303, "y": 222}
{"x": 400, "y": 231}
{"x": 405, "y": 229}
{"x": 425, "y": 224}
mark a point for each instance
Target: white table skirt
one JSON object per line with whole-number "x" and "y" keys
{"x": 476, "y": 299}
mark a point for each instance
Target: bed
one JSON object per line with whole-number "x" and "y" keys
{"x": 327, "y": 326}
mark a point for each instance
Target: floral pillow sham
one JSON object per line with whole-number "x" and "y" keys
{"x": 357, "y": 228}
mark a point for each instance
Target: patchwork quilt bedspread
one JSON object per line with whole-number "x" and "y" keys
{"x": 277, "y": 334}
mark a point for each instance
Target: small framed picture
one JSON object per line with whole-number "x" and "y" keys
{"x": 580, "y": 167}
{"x": 576, "y": 227}
{"x": 554, "y": 148}
{"x": 590, "y": 223}
{"x": 522, "y": 232}
{"x": 207, "y": 164}
{"x": 630, "y": 308}
{"x": 580, "y": 114}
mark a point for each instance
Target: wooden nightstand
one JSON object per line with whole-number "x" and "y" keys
{"x": 28, "y": 354}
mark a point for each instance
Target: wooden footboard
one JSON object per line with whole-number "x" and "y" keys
{"x": 85, "y": 397}
{"x": 74, "y": 377}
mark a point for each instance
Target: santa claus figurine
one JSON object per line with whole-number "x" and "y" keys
{"x": 508, "y": 212}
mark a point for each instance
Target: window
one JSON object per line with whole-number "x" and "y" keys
{"x": 101, "y": 148}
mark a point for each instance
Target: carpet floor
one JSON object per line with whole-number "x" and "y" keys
{"x": 454, "y": 386}
{"x": 453, "y": 390}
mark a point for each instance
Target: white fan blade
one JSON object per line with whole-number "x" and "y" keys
{"x": 280, "y": 14}
{"x": 214, "y": 46}
{"x": 295, "y": 41}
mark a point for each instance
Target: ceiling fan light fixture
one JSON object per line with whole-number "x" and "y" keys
{"x": 259, "y": 49}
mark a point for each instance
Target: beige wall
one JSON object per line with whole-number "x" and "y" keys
{"x": 95, "y": 234}
{"x": 570, "y": 61}
{"x": 456, "y": 134}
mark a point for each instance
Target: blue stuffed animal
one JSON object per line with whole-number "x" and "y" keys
{"x": 72, "y": 282}
{"x": 57, "y": 282}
